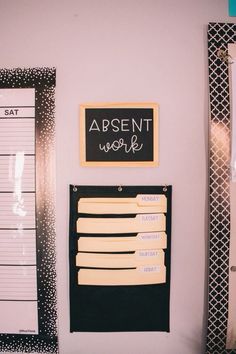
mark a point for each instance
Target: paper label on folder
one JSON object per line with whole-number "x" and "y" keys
{"x": 149, "y": 236}
{"x": 154, "y": 199}
{"x": 147, "y": 253}
{"x": 144, "y": 218}
{"x": 150, "y": 269}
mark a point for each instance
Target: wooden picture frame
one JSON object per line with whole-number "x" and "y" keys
{"x": 119, "y": 134}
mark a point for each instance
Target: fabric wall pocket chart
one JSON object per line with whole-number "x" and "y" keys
{"x": 124, "y": 134}
{"x": 119, "y": 259}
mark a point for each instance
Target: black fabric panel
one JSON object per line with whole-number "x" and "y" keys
{"x": 117, "y": 308}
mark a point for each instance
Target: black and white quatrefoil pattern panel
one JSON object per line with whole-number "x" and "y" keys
{"x": 219, "y": 36}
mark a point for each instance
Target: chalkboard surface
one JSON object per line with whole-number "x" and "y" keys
{"x": 119, "y": 134}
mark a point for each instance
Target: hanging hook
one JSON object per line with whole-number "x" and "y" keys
{"x": 224, "y": 56}
{"x": 233, "y": 269}
{"x": 75, "y": 189}
{"x": 120, "y": 189}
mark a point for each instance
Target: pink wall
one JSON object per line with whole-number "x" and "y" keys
{"x": 129, "y": 50}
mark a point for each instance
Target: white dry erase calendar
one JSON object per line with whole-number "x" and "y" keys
{"x": 27, "y": 273}
{"x": 120, "y": 258}
{"x": 18, "y": 278}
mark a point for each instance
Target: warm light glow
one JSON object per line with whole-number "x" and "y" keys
{"x": 221, "y": 141}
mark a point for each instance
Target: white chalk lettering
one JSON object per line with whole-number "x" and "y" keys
{"x": 121, "y": 125}
{"x": 94, "y": 122}
{"x": 147, "y": 125}
{"x": 125, "y": 123}
{"x": 105, "y": 125}
{"x": 115, "y": 125}
{"x": 116, "y": 145}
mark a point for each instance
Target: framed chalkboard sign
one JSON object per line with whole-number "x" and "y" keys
{"x": 119, "y": 134}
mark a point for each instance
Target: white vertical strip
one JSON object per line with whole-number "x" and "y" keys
{"x": 232, "y": 70}
{"x": 231, "y": 327}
